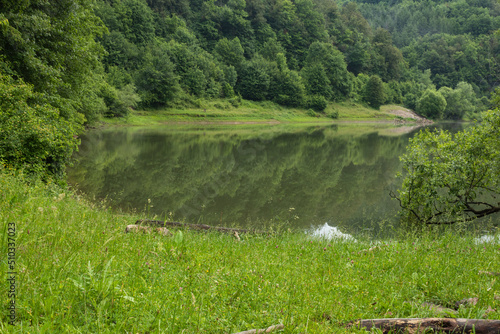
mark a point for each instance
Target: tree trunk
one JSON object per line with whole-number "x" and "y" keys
{"x": 420, "y": 325}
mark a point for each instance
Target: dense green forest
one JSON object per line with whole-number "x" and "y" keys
{"x": 69, "y": 62}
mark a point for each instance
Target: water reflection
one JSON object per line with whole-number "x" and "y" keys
{"x": 246, "y": 176}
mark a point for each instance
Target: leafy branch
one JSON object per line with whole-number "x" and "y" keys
{"x": 452, "y": 178}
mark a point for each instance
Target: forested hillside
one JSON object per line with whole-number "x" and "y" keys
{"x": 452, "y": 39}
{"x": 440, "y": 58}
{"x": 70, "y": 62}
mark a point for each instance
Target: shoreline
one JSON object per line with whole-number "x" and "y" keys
{"x": 264, "y": 114}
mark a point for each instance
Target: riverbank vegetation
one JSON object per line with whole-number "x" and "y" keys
{"x": 77, "y": 271}
{"x": 221, "y": 111}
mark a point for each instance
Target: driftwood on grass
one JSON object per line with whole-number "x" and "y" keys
{"x": 421, "y": 325}
{"x": 482, "y": 272}
{"x": 265, "y": 330}
{"x": 147, "y": 229}
{"x": 161, "y": 223}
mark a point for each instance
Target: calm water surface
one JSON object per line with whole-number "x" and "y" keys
{"x": 300, "y": 176}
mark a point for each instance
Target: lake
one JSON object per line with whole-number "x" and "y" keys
{"x": 300, "y": 176}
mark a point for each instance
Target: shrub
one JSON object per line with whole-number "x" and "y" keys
{"x": 311, "y": 113}
{"x": 317, "y": 103}
{"x": 374, "y": 93}
{"x": 235, "y": 101}
{"x": 333, "y": 114}
{"x": 33, "y": 136}
{"x": 227, "y": 91}
{"x": 432, "y": 104}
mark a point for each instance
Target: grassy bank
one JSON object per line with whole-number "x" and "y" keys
{"x": 78, "y": 272}
{"x": 253, "y": 112}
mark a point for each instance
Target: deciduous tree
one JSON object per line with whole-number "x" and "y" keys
{"x": 449, "y": 178}
{"x": 374, "y": 93}
{"x": 432, "y": 104}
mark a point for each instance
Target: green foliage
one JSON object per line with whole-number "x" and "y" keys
{"x": 432, "y": 104}
{"x": 333, "y": 114}
{"x": 120, "y": 52}
{"x": 286, "y": 87}
{"x": 271, "y": 48}
{"x": 227, "y": 91}
{"x": 311, "y": 113}
{"x": 389, "y": 59}
{"x": 393, "y": 94}
{"x": 157, "y": 81}
{"x": 316, "y": 80}
{"x": 374, "y": 93}
{"x": 33, "y": 135}
{"x": 450, "y": 179}
{"x": 316, "y": 102}
{"x": 120, "y": 101}
{"x": 335, "y": 69}
{"x": 455, "y": 39}
{"x": 214, "y": 89}
{"x": 459, "y": 101}
{"x": 253, "y": 79}
{"x": 230, "y": 52}
{"x": 132, "y": 18}
{"x": 235, "y": 101}
{"x": 495, "y": 98}
{"x": 54, "y": 48}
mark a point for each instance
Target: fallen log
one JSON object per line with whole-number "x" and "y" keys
{"x": 482, "y": 272}
{"x": 421, "y": 325}
{"x": 161, "y": 223}
{"x": 147, "y": 229}
{"x": 265, "y": 330}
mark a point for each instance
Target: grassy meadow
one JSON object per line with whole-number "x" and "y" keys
{"x": 78, "y": 272}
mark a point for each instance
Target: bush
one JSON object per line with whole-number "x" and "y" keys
{"x": 311, "y": 113}
{"x": 33, "y": 136}
{"x": 119, "y": 102}
{"x": 317, "y": 103}
{"x": 222, "y": 105}
{"x": 227, "y": 91}
{"x": 432, "y": 104}
{"x": 333, "y": 114}
{"x": 235, "y": 101}
{"x": 451, "y": 178}
{"x": 374, "y": 93}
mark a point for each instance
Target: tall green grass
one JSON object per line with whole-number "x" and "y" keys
{"x": 78, "y": 272}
